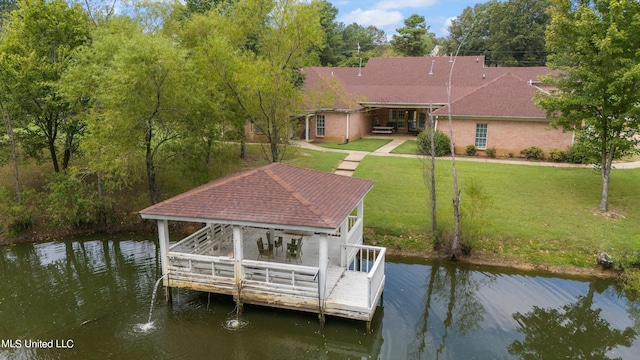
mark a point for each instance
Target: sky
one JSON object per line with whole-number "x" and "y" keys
{"x": 389, "y": 15}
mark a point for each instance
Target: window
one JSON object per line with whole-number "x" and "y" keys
{"x": 422, "y": 120}
{"x": 320, "y": 125}
{"x": 481, "y": 136}
{"x": 401, "y": 116}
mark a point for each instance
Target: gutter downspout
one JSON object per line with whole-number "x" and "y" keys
{"x": 306, "y": 128}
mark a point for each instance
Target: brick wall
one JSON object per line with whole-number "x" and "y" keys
{"x": 508, "y": 136}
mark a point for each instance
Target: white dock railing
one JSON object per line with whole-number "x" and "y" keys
{"x": 370, "y": 260}
{"x": 280, "y": 279}
{"x": 201, "y": 269}
{"x": 203, "y": 241}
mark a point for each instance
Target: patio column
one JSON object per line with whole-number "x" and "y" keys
{"x": 306, "y": 127}
{"x": 163, "y": 240}
{"x": 348, "y": 119}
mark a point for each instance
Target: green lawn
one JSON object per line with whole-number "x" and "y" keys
{"x": 543, "y": 215}
{"x": 358, "y": 145}
{"x": 408, "y": 147}
{"x": 318, "y": 160}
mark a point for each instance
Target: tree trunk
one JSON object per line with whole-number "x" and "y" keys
{"x": 605, "y": 171}
{"x": 154, "y": 196}
{"x": 52, "y": 150}
{"x": 68, "y": 150}
{"x": 274, "y": 150}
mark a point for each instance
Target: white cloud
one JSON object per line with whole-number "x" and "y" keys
{"x": 445, "y": 28}
{"x": 403, "y": 4}
{"x": 376, "y": 17}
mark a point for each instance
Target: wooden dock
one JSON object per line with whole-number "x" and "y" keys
{"x": 204, "y": 261}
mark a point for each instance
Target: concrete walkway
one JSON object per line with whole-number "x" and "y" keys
{"x": 351, "y": 162}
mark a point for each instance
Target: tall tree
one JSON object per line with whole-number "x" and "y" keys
{"x": 595, "y": 46}
{"x": 141, "y": 99}
{"x": 330, "y": 53}
{"x": 414, "y": 39}
{"x": 517, "y": 33}
{"x": 256, "y": 53}
{"x": 39, "y": 40}
{"x": 507, "y": 33}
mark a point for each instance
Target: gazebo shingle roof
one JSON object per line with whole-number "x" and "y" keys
{"x": 274, "y": 194}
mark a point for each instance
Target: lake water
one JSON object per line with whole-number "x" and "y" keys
{"x": 89, "y": 298}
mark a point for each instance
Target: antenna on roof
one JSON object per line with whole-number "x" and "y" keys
{"x": 432, "y": 63}
{"x": 451, "y": 57}
{"x": 358, "y": 48}
{"x": 360, "y": 68}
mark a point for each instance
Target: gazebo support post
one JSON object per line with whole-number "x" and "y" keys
{"x": 163, "y": 240}
{"x": 237, "y": 259}
{"x": 323, "y": 264}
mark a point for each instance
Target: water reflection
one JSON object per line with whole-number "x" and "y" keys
{"x": 574, "y": 331}
{"x": 95, "y": 292}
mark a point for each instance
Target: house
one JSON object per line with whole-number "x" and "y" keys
{"x": 277, "y": 236}
{"x": 490, "y": 106}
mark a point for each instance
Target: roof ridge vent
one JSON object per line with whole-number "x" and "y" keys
{"x": 431, "y": 70}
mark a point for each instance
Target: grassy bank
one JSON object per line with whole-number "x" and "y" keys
{"x": 541, "y": 215}
{"x": 536, "y": 215}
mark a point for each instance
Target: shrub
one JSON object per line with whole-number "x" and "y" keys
{"x": 441, "y": 141}
{"x": 69, "y": 200}
{"x": 557, "y": 155}
{"x": 579, "y": 153}
{"x": 15, "y": 218}
{"x": 470, "y": 150}
{"x": 491, "y": 152}
{"x": 532, "y": 153}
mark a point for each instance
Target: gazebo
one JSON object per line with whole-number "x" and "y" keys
{"x": 278, "y": 236}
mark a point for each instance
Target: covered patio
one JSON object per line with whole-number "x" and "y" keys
{"x": 329, "y": 271}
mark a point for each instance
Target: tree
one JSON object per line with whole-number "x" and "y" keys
{"x": 330, "y": 54}
{"x": 471, "y": 29}
{"x": 141, "y": 102}
{"x": 256, "y": 53}
{"x": 414, "y": 39}
{"x": 517, "y": 33}
{"x": 6, "y": 6}
{"x": 40, "y": 38}
{"x": 509, "y": 33}
{"x": 595, "y": 46}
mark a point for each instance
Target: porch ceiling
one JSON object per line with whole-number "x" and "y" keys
{"x": 274, "y": 194}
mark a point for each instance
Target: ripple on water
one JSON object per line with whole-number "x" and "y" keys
{"x": 235, "y": 323}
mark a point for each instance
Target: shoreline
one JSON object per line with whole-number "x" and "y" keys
{"x": 477, "y": 257}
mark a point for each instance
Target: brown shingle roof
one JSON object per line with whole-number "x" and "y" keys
{"x": 414, "y": 80}
{"x": 274, "y": 194}
{"x": 507, "y": 96}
